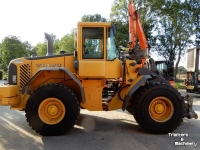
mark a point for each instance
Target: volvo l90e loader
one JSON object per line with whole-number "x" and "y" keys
{"x": 97, "y": 77}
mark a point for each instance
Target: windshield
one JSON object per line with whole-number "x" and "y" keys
{"x": 111, "y": 47}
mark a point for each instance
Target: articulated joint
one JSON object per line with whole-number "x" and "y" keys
{"x": 188, "y": 107}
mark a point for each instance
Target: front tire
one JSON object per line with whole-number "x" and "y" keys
{"x": 52, "y": 110}
{"x": 158, "y": 108}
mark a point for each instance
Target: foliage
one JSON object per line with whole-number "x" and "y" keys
{"x": 41, "y": 48}
{"x": 194, "y": 8}
{"x": 67, "y": 43}
{"x": 148, "y": 20}
{"x": 93, "y": 18}
{"x": 11, "y": 48}
{"x": 1, "y": 74}
{"x": 179, "y": 85}
{"x": 175, "y": 28}
{"x": 30, "y": 49}
{"x": 182, "y": 70}
{"x": 119, "y": 14}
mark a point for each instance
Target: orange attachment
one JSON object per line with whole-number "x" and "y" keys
{"x": 136, "y": 30}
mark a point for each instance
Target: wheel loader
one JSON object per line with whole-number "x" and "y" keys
{"x": 97, "y": 76}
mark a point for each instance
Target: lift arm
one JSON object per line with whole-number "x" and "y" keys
{"x": 135, "y": 28}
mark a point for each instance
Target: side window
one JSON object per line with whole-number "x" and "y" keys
{"x": 93, "y": 41}
{"x": 111, "y": 47}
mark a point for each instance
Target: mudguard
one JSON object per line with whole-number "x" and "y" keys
{"x": 154, "y": 76}
{"x": 133, "y": 87}
{"x": 25, "y": 88}
{"x": 146, "y": 76}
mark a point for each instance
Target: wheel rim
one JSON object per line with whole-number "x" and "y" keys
{"x": 161, "y": 109}
{"x": 51, "y": 111}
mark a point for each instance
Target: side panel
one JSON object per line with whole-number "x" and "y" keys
{"x": 93, "y": 94}
{"x": 69, "y": 63}
{"x": 113, "y": 69}
{"x": 92, "y": 69}
{"x": 43, "y": 63}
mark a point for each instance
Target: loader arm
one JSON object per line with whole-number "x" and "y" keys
{"x": 136, "y": 30}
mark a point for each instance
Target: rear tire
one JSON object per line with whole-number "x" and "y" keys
{"x": 158, "y": 108}
{"x": 52, "y": 110}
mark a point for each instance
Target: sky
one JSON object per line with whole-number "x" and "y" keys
{"x": 29, "y": 19}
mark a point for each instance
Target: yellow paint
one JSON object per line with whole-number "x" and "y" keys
{"x": 51, "y": 111}
{"x": 10, "y": 95}
{"x": 93, "y": 94}
{"x": 161, "y": 109}
{"x": 69, "y": 63}
{"x": 131, "y": 71}
{"x": 133, "y": 83}
{"x": 91, "y": 69}
{"x": 45, "y": 77}
{"x": 190, "y": 87}
{"x": 81, "y": 41}
{"x": 22, "y": 105}
{"x": 115, "y": 103}
{"x": 113, "y": 69}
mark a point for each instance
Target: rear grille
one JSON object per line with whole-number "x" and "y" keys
{"x": 25, "y": 74}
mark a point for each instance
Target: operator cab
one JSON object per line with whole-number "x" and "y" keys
{"x": 95, "y": 46}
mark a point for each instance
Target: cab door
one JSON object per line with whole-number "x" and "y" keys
{"x": 92, "y": 62}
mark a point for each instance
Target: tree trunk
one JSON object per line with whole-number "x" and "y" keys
{"x": 178, "y": 60}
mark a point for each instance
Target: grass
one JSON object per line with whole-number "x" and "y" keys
{"x": 179, "y": 84}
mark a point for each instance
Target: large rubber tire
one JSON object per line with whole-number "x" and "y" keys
{"x": 130, "y": 109}
{"x": 51, "y": 100}
{"x": 158, "y": 108}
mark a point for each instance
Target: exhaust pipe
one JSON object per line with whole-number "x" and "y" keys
{"x": 49, "y": 44}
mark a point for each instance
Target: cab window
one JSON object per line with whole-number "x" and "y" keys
{"x": 93, "y": 41}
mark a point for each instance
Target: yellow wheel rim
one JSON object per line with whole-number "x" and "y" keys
{"x": 161, "y": 109}
{"x": 51, "y": 111}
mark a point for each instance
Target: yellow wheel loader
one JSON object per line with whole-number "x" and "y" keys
{"x": 51, "y": 89}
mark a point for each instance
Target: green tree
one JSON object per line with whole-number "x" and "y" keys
{"x": 41, "y": 48}
{"x": 119, "y": 14}
{"x": 194, "y": 7}
{"x": 30, "y": 49}
{"x": 175, "y": 28}
{"x": 67, "y": 43}
{"x": 11, "y": 48}
{"x": 93, "y": 18}
{"x": 148, "y": 20}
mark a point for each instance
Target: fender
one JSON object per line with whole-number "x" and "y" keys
{"x": 146, "y": 75}
{"x": 154, "y": 76}
{"x": 133, "y": 87}
{"x": 26, "y": 87}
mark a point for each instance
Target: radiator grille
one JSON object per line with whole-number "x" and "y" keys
{"x": 25, "y": 74}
